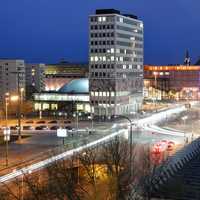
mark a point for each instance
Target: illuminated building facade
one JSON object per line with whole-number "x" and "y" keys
{"x": 35, "y": 77}
{"x": 179, "y": 82}
{"x": 116, "y": 63}
{"x": 57, "y": 75}
{"x": 12, "y": 77}
{"x": 70, "y": 98}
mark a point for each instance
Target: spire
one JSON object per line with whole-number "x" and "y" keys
{"x": 187, "y": 58}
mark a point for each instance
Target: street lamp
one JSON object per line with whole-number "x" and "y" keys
{"x": 6, "y": 131}
{"x": 155, "y": 83}
{"x": 77, "y": 114}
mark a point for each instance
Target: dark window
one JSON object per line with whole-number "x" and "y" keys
{"x": 104, "y": 66}
{"x": 96, "y": 43}
{"x": 96, "y": 74}
{"x": 104, "y": 42}
{"x": 108, "y": 42}
{"x": 95, "y": 27}
{"x": 104, "y": 50}
{"x": 91, "y": 50}
{"x": 92, "y": 42}
{"x": 96, "y": 50}
{"x": 104, "y": 35}
{"x": 112, "y": 42}
{"x": 92, "y": 27}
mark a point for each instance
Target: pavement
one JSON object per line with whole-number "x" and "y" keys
{"x": 32, "y": 149}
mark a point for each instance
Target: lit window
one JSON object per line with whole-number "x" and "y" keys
{"x": 112, "y": 58}
{"x": 104, "y": 58}
{"x": 103, "y": 19}
{"x": 161, "y": 73}
{"x": 96, "y": 58}
{"x": 121, "y": 20}
{"x": 124, "y": 66}
{"x": 96, "y": 94}
{"x": 112, "y": 50}
{"x": 130, "y": 66}
{"x": 99, "y": 19}
{"x": 141, "y": 25}
{"x": 91, "y": 58}
{"x": 135, "y": 30}
{"x": 121, "y": 59}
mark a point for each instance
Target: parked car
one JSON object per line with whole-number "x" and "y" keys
{"x": 68, "y": 127}
{"x": 29, "y": 122}
{"x": 41, "y": 127}
{"x": 14, "y": 128}
{"x": 54, "y": 128}
{"x": 53, "y": 122}
{"x": 67, "y": 122}
{"x": 27, "y": 128}
{"x": 40, "y": 122}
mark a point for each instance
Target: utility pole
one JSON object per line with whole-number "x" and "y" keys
{"x": 19, "y": 92}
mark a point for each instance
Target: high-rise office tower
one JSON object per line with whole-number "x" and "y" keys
{"x": 115, "y": 63}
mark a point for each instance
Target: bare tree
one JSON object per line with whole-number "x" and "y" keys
{"x": 116, "y": 157}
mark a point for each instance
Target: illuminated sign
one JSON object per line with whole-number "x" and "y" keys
{"x": 61, "y": 132}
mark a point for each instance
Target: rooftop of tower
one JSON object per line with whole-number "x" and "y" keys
{"x": 113, "y": 11}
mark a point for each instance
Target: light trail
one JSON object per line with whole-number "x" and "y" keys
{"x": 153, "y": 119}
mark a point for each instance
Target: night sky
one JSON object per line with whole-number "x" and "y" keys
{"x": 48, "y": 30}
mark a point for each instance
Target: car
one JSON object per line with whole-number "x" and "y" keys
{"x": 67, "y": 122}
{"x": 41, "y": 127}
{"x": 54, "y": 128}
{"x": 159, "y": 147}
{"x": 29, "y": 122}
{"x": 40, "y": 122}
{"x": 170, "y": 145}
{"x": 68, "y": 127}
{"x": 53, "y": 122}
{"x": 27, "y": 128}
{"x": 14, "y": 128}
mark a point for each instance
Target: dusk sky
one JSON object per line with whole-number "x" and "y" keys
{"x": 48, "y": 30}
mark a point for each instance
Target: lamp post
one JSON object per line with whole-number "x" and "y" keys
{"x": 77, "y": 114}
{"x": 6, "y": 131}
{"x": 155, "y": 83}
